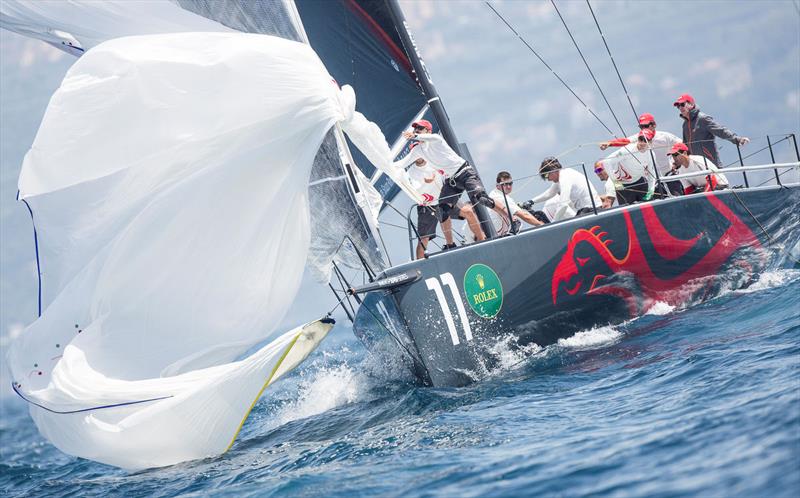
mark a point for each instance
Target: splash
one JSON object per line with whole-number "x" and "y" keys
{"x": 660, "y": 308}
{"x": 509, "y": 355}
{"x": 600, "y": 336}
{"x": 324, "y": 389}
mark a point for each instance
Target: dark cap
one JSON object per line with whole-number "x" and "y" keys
{"x": 548, "y": 164}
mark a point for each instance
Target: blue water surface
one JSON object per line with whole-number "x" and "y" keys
{"x": 697, "y": 402}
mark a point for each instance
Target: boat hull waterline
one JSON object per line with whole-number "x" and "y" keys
{"x": 551, "y": 282}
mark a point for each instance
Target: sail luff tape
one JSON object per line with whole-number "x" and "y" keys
{"x": 433, "y": 100}
{"x": 266, "y": 384}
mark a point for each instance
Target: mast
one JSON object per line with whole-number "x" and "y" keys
{"x": 435, "y": 102}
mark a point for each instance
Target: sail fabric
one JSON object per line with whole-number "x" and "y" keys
{"x": 338, "y": 206}
{"x": 76, "y": 26}
{"x": 168, "y": 188}
{"x": 164, "y": 421}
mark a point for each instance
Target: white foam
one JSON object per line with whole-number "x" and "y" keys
{"x": 600, "y": 336}
{"x": 660, "y": 308}
{"x": 772, "y": 279}
{"x": 324, "y": 389}
{"x": 508, "y": 356}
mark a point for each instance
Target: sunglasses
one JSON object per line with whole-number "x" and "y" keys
{"x": 507, "y": 184}
{"x": 682, "y": 104}
{"x": 648, "y": 125}
{"x": 598, "y": 170}
{"x": 418, "y": 128}
{"x": 676, "y": 154}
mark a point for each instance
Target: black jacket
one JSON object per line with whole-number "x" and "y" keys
{"x": 699, "y": 132}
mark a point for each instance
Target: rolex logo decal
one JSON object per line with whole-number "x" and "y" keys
{"x": 483, "y": 290}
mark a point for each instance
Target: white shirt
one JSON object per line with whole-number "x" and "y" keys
{"x": 627, "y": 165}
{"x": 571, "y": 189}
{"x": 555, "y": 212}
{"x": 501, "y": 223}
{"x": 699, "y": 163}
{"x": 661, "y": 144}
{"x": 434, "y": 149}
{"x": 419, "y": 174}
{"x": 609, "y": 188}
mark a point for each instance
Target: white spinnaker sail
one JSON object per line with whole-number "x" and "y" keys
{"x": 76, "y": 25}
{"x": 168, "y": 186}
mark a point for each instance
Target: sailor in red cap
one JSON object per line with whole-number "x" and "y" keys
{"x": 699, "y": 130}
{"x": 632, "y": 168}
{"x": 662, "y": 141}
{"x": 684, "y": 162}
{"x": 459, "y": 176}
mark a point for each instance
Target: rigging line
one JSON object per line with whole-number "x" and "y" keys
{"x": 635, "y": 114}
{"x": 591, "y": 73}
{"x": 550, "y": 68}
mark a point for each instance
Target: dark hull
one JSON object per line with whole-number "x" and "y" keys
{"x": 550, "y": 282}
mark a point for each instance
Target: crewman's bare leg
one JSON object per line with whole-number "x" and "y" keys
{"x": 422, "y": 245}
{"x": 468, "y": 213}
{"x": 447, "y": 230}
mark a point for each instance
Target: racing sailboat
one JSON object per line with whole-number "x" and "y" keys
{"x": 444, "y": 314}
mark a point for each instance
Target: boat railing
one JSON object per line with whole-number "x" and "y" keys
{"x": 414, "y": 235}
{"x": 739, "y": 169}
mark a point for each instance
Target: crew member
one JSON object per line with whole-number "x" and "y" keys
{"x": 631, "y": 166}
{"x": 687, "y": 163}
{"x": 699, "y": 130}
{"x": 609, "y": 194}
{"x": 458, "y": 174}
{"x": 662, "y": 141}
{"x": 572, "y": 188}
{"x": 501, "y": 195}
{"x": 428, "y": 182}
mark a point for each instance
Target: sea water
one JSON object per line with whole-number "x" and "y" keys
{"x": 703, "y": 401}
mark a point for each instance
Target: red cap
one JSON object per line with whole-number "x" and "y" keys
{"x": 646, "y": 118}
{"x": 424, "y": 123}
{"x": 684, "y": 98}
{"x": 647, "y": 133}
{"x": 678, "y": 147}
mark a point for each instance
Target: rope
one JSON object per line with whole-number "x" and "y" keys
{"x": 550, "y": 68}
{"x": 591, "y": 73}
{"x": 635, "y": 114}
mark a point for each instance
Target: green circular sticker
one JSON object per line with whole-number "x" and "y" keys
{"x": 483, "y": 290}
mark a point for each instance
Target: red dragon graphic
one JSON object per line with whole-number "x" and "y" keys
{"x": 633, "y": 266}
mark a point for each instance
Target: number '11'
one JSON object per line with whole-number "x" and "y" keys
{"x": 449, "y": 281}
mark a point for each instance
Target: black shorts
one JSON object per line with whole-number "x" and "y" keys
{"x": 632, "y": 192}
{"x": 427, "y": 219}
{"x": 467, "y": 180}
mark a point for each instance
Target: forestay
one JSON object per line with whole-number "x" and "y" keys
{"x": 168, "y": 186}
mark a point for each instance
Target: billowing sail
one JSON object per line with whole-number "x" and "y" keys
{"x": 336, "y": 209}
{"x": 334, "y": 193}
{"x": 169, "y": 189}
{"x": 173, "y": 230}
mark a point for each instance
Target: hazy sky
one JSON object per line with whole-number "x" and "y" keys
{"x": 740, "y": 60}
